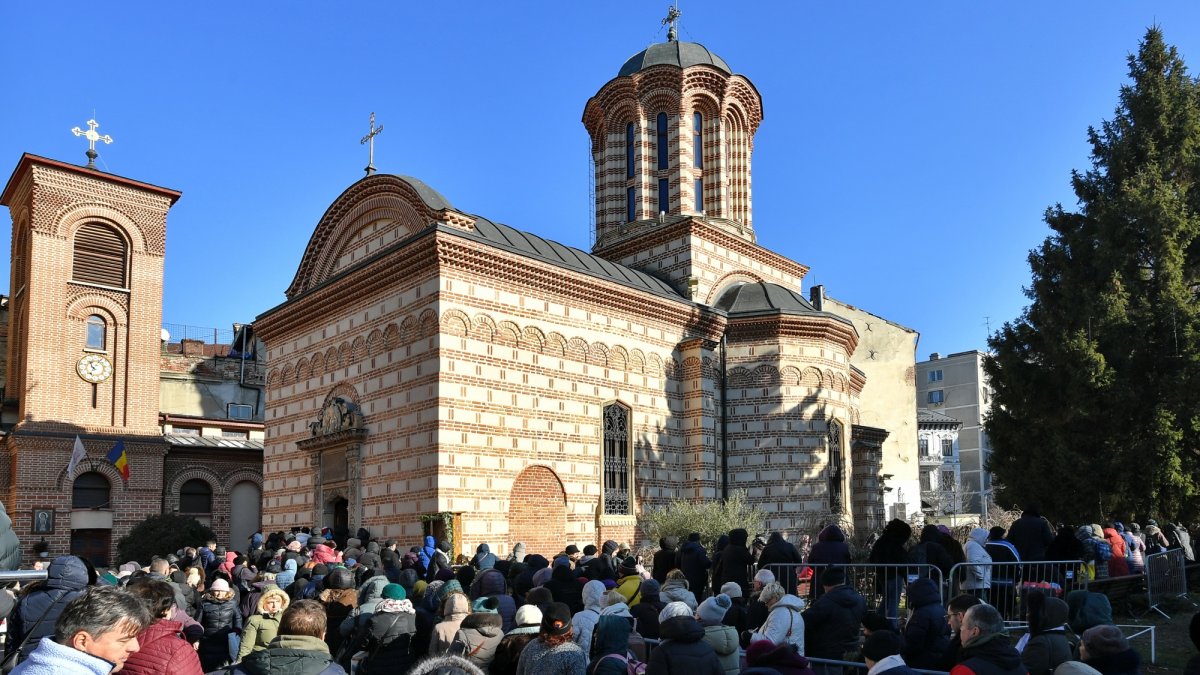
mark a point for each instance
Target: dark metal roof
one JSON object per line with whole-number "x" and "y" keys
{"x": 533, "y": 246}
{"x": 193, "y": 441}
{"x": 680, "y": 54}
{"x": 432, "y": 198}
{"x": 926, "y": 416}
{"x": 767, "y": 298}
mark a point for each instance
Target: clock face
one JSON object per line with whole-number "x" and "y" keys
{"x": 94, "y": 368}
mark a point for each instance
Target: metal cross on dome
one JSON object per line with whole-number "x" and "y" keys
{"x": 92, "y": 136}
{"x": 369, "y": 139}
{"x": 672, "y": 20}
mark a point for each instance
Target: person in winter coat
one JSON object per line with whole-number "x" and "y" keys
{"x": 220, "y": 616}
{"x": 736, "y": 564}
{"x": 978, "y": 572}
{"x": 288, "y": 575}
{"x": 676, "y": 589}
{"x": 833, "y": 623}
{"x": 1095, "y": 549}
{"x": 354, "y": 627}
{"x": 554, "y": 651}
{"x": 490, "y": 582}
{"x": 831, "y": 548}
{"x": 602, "y": 566}
{"x": 1106, "y": 649}
{"x": 929, "y": 551}
{"x": 889, "y": 550}
{"x": 263, "y": 625}
{"x": 390, "y": 633}
{"x": 1178, "y": 537}
{"x": 683, "y": 649}
{"x": 925, "y": 632}
{"x": 1118, "y": 565}
{"x": 455, "y": 608}
{"x": 508, "y": 652}
{"x": 736, "y": 615}
{"x": 664, "y": 558}
{"x": 881, "y": 652}
{"x": 95, "y": 635}
{"x": 564, "y": 587}
{"x": 1031, "y": 535}
{"x": 765, "y": 657}
{"x": 953, "y": 546}
{"x": 1135, "y": 550}
{"x": 584, "y": 621}
{"x": 1048, "y": 645}
{"x": 956, "y": 609}
{"x": 298, "y": 649}
{"x": 484, "y": 558}
{"x": 338, "y": 600}
{"x": 723, "y": 639}
{"x": 629, "y": 583}
{"x": 718, "y": 549}
{"x": 986, "y": 649}
{"x": 479, "y": 634}
{"x": 40, "y": 604}
{"x": 779, "y": 551}
{"x": 694, "y": 562}
{"x": 645, "y": 613}
{"x": 784, "y": 623}
{"x": 610, "y": 648}
{"x": 160, "y": 647}
{"x": 756, "y": 609}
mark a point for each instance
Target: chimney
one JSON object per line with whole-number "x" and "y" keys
{"x": 816, "y": 296}
{"x": 935, "y": 356}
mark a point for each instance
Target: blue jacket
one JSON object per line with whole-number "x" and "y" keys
{"x": 51, "y": 658}
{"x": 37, "y": 612}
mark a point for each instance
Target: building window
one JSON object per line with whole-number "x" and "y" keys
{"x": 834, "y": 439}
{"x": 700, "y": 195}
{"x": 630, "y": 204}
{"x": 99, "y": 256}
{"x": 923, "y": 446}
{"x": 629, "y": 150}
{"x": 948, "y": 482}
{"x": 90, "y": 491}
{"x": 662, "y": 140}
{"x": 195, "y": 496}
{"x": 240, "y": 411}
{"x": 227, "y": 433}
{"x": 185, "y": 431}
{"x": 947, "y": 447}
{"x": 664, "y": 196}
{"x": 698, "y": 140}
{"x": 935, "y": 375}
{"x": 616, "y": 460}
{"x": 937, "y": 396}
{"x": 926, "y": 481}
{"x": 97, "y": 331}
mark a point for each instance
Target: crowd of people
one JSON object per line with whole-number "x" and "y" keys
{"x": 297, "y": 603}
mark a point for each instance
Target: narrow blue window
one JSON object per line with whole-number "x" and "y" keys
{"x": 662, "y": 140}
{"x": 698, "y": 140}
{"x": 664, "y": 197}
{"x": 699, "y": 194}
{"x": 629, "y": 151}
{"x": 630, "y": 204}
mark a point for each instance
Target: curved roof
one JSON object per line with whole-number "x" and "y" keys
{"x": 767, "y": 298}
{"x": 533, "y": 246}
{"x": 432, "y": 198}
{"x": 675, "y": 53}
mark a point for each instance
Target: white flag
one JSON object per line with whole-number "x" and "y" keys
{"x": 77, "y": 455}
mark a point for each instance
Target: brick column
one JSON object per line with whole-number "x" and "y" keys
{"x": 698, "y": 386}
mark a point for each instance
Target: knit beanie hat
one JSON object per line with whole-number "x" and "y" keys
{"x": 629, "y": 566}
{"x": 394, "y": 592}
{"x": 712, "y": 611}
{"x": 486, "y": 605}
{"x": 419, "y": 588}
{"x": 542, "y": 576}
{"x": 881, "y": 644}
{"x": 733, "y": 589}
{"x": 650, "y": 588}
{"x": 219, "y": 585}
{"x": 562, "y": 561}
{"x": 572, "y": 549}
{"x": 764, "y": 577}
{"x": 528, "y": 615}
{"x": 609, "y": 584}
{"x": 610, "y": 547}
{"x": 833, "y": 576}
{"x": 672, "y": 610}
{"x": 590, "y": 549}
{"x": 1105, "y": 640}
{"x": 320, "y": 569}
{"x": 556, "y": 619}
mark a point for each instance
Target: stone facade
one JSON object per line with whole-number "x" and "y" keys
{"x": 429, "y": 364}
{"x": 956, "y": 385}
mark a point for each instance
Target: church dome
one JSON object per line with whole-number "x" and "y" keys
{"x": 763, "y": 298}
{"x": 674, "y": 53}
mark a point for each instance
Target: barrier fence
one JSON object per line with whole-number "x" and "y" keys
{"x": 1166, "y": 578}
{"x": 882, "y": 585}
{"x": 1003, "y": 585}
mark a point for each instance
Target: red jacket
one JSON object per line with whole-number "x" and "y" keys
{"x": 323, "y": 554}
{"x": 161, "y": 650}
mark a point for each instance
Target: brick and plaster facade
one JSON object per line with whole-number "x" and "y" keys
{"x": 84, "y": 355}
{"x": 429, "y": 362}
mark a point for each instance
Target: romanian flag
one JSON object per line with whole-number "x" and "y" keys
{"x": 118, "y": 458}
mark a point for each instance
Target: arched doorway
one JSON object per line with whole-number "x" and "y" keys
{"x": 245, "y": 512}
{"x": 337, "y": 517}
{"x": 537, "y": 511}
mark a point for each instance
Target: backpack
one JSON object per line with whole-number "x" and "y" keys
{"x": 1103, "y": 550}
{"x": 637, "y": 647}
{"x": 632, "y": 666}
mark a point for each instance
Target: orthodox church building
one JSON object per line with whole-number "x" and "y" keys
{"x": 432, "y": 370}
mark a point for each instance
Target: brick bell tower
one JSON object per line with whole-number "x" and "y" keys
{"x": 85, "y": 321}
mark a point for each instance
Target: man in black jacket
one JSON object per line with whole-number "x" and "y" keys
{"x": 694, "y": 562}
{"x": 833, "y": 623}
{"x": 779, "y": 551}
{"x": 664, "y": 559}
{"x": 986, "y": 647}
{"x": 735, "y": 563}
{"x": 1030, "y": 534}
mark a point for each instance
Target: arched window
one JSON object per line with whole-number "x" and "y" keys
{"x": 629, "y": 150}
{"x": 99, "y": 256}
{"x": 195, "y": 496}
{"x": 617, "y": 461}
{"x": 630, "y": 204}
{"x": 90, "y": 491}
{"x": 97, "y": 331}
{"x": 836, "y": 466}
{"x": 698, "y": 158}
{"x": 662, "y": 140}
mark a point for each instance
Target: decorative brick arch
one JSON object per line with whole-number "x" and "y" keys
{"x": 97, "y": 464}
{"x": 241, "y": 476}
{"x": 171, "y": 496}
{"x": 537, "y": 511}
{"x": 85, "y": 304}
{"x": 77, "y": 215}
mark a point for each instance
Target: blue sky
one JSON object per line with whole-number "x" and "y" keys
{"x": 907, "y": 153}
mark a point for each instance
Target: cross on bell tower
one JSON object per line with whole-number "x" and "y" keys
{"x": 369, "y": 140}
{"x": 92, "y": 136}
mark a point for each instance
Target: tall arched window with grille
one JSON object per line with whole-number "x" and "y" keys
{"x": 661, "y": 141}
{"x": 195, "y": 496}
{"x": 698, "y": 158}
{"x": 97, "y": 332}
{"x": 837, "y": 466}
{"x": 90, "y": 491}
{"x": 618, "y": 463}
{"x": 99, "y": 256}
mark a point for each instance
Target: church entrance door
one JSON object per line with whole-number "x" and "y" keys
{"x": 337, "y": 516}
{"x": 92, "y": 545}
{"x": 537, "y": 512}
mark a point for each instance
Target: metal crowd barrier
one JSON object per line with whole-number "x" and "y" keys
{"x": 1010, "y": 581}
{"x": 847, "y": 667}
{"x": 882, "y": 585}
{"x": 22, "y": 576}
{"x": 1166, "y": 578}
